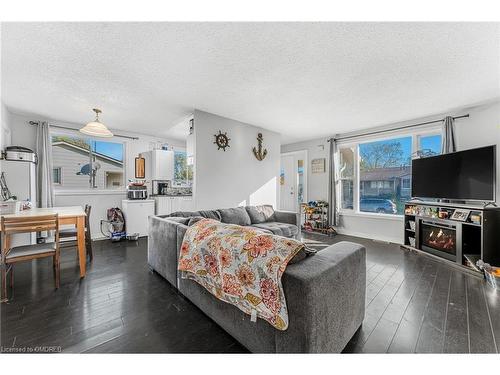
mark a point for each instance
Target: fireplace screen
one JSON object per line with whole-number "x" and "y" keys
{"x": 439, "y": 237}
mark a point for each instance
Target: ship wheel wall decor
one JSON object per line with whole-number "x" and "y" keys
{"x": 259, "y": 153}
{"x": 222, "y": 140}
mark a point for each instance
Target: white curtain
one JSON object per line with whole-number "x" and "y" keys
{"x": 44, "y": 168}
{"x": 332, "y": 201}
{"x": 449, "y": 144}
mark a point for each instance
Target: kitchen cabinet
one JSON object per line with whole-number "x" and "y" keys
{"x": 136, "y": 214}
{"x": 161, "y": 165}
{"x": 186, "y": 203}
{"x": 165, "y": 205}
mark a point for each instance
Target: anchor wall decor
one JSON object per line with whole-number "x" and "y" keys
{"x": 258, "y": 152}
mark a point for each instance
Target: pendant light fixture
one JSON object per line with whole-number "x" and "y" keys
{"x": 96, "y": 128}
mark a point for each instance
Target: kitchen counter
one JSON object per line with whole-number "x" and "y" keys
{"x": 171, "y": 195}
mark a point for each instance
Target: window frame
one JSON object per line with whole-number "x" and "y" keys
{"x": 185, "y": 182}
{"x": 60, "y": 176}
{"x": 416, "y": 135}
{"x": 61, "y": 190}
{"x": 338, "y": 179}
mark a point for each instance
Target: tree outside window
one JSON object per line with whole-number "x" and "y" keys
{"x": 183, "y": 173}
{"x": 383, "y": 165}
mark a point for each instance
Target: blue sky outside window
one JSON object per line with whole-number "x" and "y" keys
{"x": 432, "y": 143}
{"x": 113, "y": 150}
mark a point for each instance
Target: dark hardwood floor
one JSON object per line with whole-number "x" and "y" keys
{"x": 413, "y": 304}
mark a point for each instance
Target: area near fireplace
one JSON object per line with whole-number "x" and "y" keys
{"x": 462, "y": 234}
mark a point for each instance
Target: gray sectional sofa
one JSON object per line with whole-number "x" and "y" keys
{"x": 265, "y": 218}
{"x": 325, "y": 293}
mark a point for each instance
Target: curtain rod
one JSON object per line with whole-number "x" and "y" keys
{"x": 388, "y": 130}
{"x": 68, "y": 128}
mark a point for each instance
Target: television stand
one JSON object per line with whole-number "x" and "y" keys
{"x": 460, "y": 233}
{"x": 493, "y": 204}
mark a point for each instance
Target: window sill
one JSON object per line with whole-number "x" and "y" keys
{"x": 369, "y": 215}
{"x": 90, "y": 192}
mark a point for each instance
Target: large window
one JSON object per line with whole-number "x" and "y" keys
{"x": 375, "y": 176}
{"x": 382, "y": 167}
{"x": 83, "y": 163}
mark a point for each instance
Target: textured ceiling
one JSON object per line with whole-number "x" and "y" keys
{"x": 303, "y": 80}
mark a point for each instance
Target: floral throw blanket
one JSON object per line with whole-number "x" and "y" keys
{"x": 239, "y": 265}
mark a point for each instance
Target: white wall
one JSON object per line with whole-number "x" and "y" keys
{"x": 234, "y": 177}
{"x": 5, "y": 133}
{"x": 482, "y": 128}
{"x": 24, "y": 134}
{"x": 317, "y": 183}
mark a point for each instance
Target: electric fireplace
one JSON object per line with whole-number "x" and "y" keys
{"x": 439, "y": 239}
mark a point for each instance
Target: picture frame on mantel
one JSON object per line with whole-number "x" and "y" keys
{"x": 318, "y": 165}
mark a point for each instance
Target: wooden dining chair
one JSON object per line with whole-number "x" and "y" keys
{"x": 69, "y": 235}
{"x": 11, "y": 255}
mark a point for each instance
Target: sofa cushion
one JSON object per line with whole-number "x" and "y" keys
{"x": 181, "y": 220}
{"x": 208, "y": 214}
{"x": 280, "y": 229}
{"x": 194, "y": 220}
{"x": 260, "y": 214}
{"x": 237, "y": 215}
{"x": 183, "y": 214}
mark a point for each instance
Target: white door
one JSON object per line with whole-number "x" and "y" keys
{"x": 288, "y": 184}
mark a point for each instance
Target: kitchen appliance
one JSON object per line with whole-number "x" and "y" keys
{"x": 160, "y": 187}
{"x": 19, "y": 153}
{"x": 464, "y": 175}
{"x": 159, "y": 165}
{"x": 136, "y": 214}
{"x": 135, "y": 192}
{"x": 20, "y": 177}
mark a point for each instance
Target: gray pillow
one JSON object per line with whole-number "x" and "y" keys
{"x": 181, "y": 220}
{"x": 237, "y": 215}
{"x": 194, "y": 220}
{"x": 261, "y": 214}
{"x": 210, "y": 214}
{"x": 184, "y": 214}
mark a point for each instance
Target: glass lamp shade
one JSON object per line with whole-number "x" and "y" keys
{"x": 96, "y": 129}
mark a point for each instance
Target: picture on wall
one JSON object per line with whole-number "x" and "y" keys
{"x": 318, "y": 165}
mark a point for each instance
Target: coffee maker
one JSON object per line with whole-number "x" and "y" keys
{"x": 160, "y": 187}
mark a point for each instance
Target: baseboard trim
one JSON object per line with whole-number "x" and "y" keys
{"x": 396, "y": 241}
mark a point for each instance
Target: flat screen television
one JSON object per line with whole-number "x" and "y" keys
{"x": 462, "y": 175}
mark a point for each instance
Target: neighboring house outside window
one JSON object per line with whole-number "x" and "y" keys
{"x": 384, "y": 170}
{"x": 83, "y": 163}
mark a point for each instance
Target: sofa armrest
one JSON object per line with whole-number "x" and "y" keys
{"x": 288, "y": 217}
{"x": 163, "y": 247}
{"x": 325, "y": 295}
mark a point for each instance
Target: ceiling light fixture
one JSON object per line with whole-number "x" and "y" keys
{"x": 96, "y": 128}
